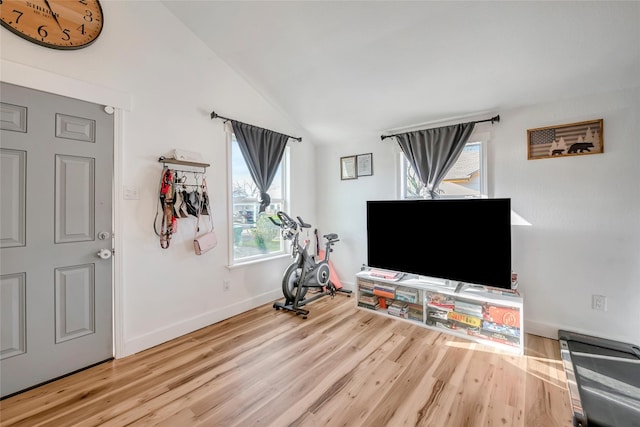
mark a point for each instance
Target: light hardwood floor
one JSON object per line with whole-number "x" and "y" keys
{"x": 343, "y": 366}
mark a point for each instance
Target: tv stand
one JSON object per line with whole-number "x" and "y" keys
{"x": 486, "y": 315}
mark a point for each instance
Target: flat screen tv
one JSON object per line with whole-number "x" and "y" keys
{"x": 466, "y": 241}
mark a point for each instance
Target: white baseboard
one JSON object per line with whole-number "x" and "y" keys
{"x": 348, "y": 286}
{"x": 159, "y": 336}
{"x": 541, "y": 329}
{"x": 550, "y": 330}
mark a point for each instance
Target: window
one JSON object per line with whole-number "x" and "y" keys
{"x": 255, "y": 237}
{"x": 465, "y": 179}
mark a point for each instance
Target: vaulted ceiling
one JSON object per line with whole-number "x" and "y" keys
{"x": 353, "y": 70}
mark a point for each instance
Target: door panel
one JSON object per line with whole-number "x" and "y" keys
{"x": 75, "y": 302}
{"x": 13, "y": 117}
{"x": 56, "y": 294}
{"x": 75, "y": 200}
{"x": 13, "y": 309}
{"x": 13, "y": 165}
{"x": 78, "y": 128}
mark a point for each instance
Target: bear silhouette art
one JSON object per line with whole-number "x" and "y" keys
{"x": 580, "y": 147}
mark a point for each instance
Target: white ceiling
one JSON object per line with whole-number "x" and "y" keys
{"x": 352, "y": 70}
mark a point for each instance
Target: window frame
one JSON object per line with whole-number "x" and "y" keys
{"x": 284, "y": 201}
{"x": 480, "y": 138}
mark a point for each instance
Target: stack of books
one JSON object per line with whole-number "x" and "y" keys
{"x": 369, "y": 301}
{"x": 467, "y": 315}
{"x": 504, "y": 315}
{"x": 504, "y": 334}
{"x": 408, "y": 295}
{"x": 435, "y": 316}
{"x": 365, "y": 287}
{"x": 415, "y": 312}
{"x": 468, "y": 308}
{"x": 442, "y": 301}
{"x": 465, "y": 320}
{"x": 399, "y": 309}
{"x": 383, "y": 290}
{"x": 390, "y": 275}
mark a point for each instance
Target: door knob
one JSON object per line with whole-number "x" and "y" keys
{"x": 104, "y": 253}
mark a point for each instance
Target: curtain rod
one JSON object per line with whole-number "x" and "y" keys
{"x": 492, "y": 120}
{"x": 216, "y": 116}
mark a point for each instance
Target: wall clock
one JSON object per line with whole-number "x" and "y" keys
{"x": 58, "y": 24}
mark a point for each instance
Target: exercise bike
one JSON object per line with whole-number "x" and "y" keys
{"x": 305, "y": 271}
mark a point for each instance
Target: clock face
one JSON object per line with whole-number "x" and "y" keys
{"x": 58, "y": 24}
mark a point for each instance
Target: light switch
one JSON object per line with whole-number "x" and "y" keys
{"x": 130, "y": 193}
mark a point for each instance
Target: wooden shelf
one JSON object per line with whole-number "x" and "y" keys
{"x": 183, "y": 163}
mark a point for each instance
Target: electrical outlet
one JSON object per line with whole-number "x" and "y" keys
{"x": 225, "y": 285}
{"x": 599, "y": 302}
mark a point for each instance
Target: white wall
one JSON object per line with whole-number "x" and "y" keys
{"x": 341, "y": 205}
{"x": 173, "y": 82}
{"x": 585, "y": 210}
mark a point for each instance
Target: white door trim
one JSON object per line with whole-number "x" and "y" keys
{"x": 34, "y": 78}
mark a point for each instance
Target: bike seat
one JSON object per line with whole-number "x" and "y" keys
{"x": 331, "y": 236}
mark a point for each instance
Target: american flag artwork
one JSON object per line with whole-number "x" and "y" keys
{"x": 543, "y": 136}
{"x": 566, "y": 140}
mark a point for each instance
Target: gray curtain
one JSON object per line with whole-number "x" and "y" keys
{"x": 432, "y": 152}
{"x": 262, "y": 149}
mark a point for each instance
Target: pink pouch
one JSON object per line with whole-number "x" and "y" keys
{"x": 205, "y": 243}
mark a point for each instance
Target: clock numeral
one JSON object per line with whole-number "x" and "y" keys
{"x": 65, "y": 35}
{"x": 81, "y": 29}
{"x": 43, "y": 33}
{"x": 84, "y": 2}
{"x": 88, "y": 15}
{"x": 17, "y": 12}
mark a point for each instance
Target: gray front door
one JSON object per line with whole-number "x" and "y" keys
{"x": 55, "y": 217}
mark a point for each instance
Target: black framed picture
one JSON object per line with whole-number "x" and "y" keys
{"x": 348, "y": 168}
{"x": 364, "y": 163}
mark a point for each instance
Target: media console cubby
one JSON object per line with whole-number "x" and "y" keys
{"x": 484, "y": 315}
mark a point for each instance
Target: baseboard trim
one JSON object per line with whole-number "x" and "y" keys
{"x": 541, "y": 329}
{"x": 162, "y": 335}
{"x": 550, "y": 330}
{"x": 348, "y": 286}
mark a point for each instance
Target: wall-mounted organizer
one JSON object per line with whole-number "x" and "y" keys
{"x": 182, "y": 163}
{"x": 182, "y": 193}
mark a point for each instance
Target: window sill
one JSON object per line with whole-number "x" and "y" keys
{"x": 257, "y": 261}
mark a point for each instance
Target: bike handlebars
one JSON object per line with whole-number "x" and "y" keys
{"x": 290, "y": 226}
{"x": 287, "y": 222}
